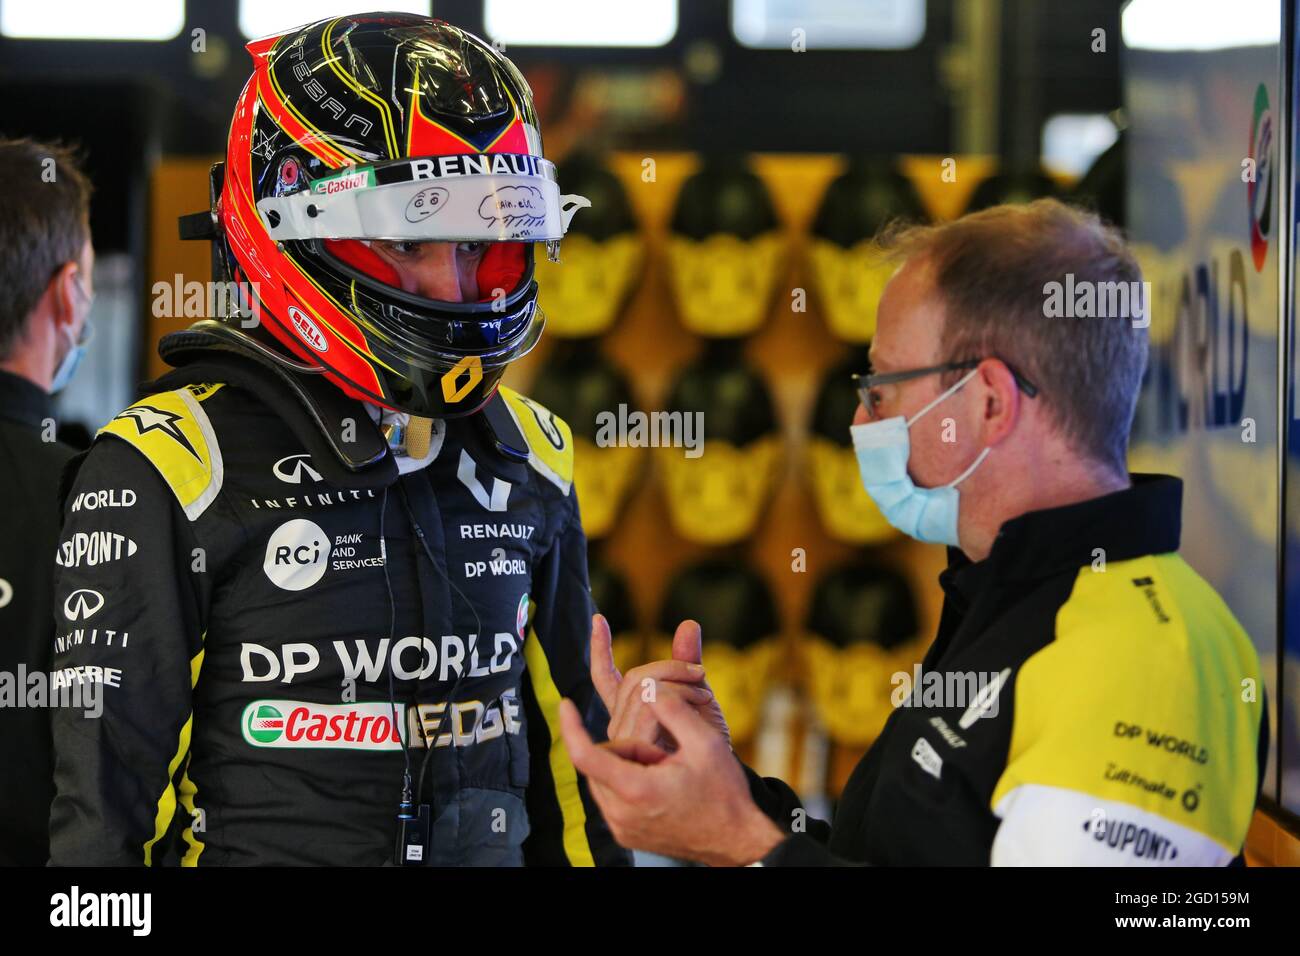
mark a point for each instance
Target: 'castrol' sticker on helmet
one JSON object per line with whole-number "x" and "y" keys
{"x": 308, "y": 330}
{"x": 352, "y": 179}
{"x": 298, "y": 724}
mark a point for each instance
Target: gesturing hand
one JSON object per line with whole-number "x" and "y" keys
{"x": 627, "y": 696}
{"x": 693, "y": 804}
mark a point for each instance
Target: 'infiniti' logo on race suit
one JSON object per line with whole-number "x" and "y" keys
{"x": 82, "y": 604}
{"x": 296, "y": 555}
{"x": 291, "y": 469}
{"x": 304, "y": 725}
{"x": 307, "y": 330}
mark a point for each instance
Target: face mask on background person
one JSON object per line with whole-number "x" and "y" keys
{"x": 76, "y": 351}
{"x": 882, "y": 449}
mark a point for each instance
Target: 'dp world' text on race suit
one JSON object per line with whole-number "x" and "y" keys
{"x": 231, "y": 594}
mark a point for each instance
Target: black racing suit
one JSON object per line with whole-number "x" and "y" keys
{"x": 245, "y": 601}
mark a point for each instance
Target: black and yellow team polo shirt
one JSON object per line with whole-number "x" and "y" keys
{"x": 1089, "y": 700}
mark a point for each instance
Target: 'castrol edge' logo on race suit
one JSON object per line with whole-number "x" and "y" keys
{"x": 298, "y": 724}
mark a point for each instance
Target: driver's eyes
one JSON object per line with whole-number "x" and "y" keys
{"x": 409, "y": 248}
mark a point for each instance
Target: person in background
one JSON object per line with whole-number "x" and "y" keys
{"x": 1119, "y": 718}
{"x": 46, "y": 260}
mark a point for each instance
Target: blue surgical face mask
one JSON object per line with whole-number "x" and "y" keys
{"x": 68, "y": 366}
{"x": 882, "y": 449}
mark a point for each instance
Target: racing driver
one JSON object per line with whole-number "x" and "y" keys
{"x": 328, "y": 572}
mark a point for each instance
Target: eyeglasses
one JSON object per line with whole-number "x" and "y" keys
{"x": 866, "y": 383}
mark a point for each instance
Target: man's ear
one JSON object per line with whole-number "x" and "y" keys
{"x": 64, "y": 294}
{"x": 1001, "y": 400}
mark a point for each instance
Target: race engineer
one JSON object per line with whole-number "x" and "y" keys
{"x": 330, "y": 574}
{"x": 1088, "y": 699}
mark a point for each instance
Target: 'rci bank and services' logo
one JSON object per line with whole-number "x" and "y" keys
{"x": 1259, "y": 187}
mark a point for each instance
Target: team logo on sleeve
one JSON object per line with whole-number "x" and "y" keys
{"x": 82, "y": 604}
{"x": 91, "y": 548}
{"x": 146, "y": 419}
{"x": 521, "y": 617}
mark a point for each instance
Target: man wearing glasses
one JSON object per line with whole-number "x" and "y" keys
{"x": 1096, "y": 701}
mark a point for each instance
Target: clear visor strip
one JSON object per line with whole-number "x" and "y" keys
{"x": 472, "y": 208}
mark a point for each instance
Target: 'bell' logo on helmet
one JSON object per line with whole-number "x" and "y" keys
{"x": 308, "y": 330}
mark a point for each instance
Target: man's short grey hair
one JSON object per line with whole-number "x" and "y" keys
{"x": 992, "y": 269}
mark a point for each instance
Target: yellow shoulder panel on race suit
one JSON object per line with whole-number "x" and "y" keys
{"x": 1135, "y": 730}
{"x": 550, "y": 442}
{"x": 172, "y": 430}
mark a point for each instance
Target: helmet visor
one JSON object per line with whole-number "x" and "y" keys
{"x": 482, "y": 197}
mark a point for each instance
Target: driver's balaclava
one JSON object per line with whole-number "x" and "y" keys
{"x": 725, "y": 251}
